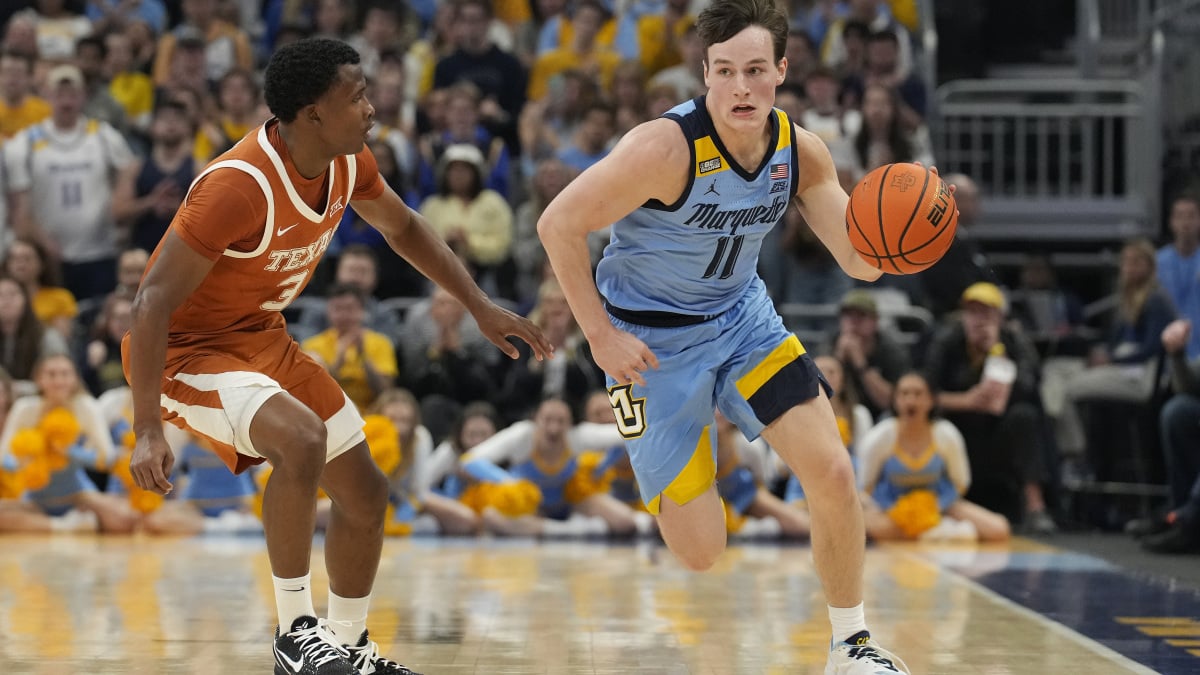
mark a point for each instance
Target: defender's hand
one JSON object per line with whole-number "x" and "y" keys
{"x": 151, "y": 464}
{"x": 497, "y": 323}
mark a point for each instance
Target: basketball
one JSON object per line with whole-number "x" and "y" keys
{"x": 901, "y": 218}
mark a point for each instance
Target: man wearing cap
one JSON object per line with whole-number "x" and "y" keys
{"x": 61, "y": 176}
{"x": 874, "y": 360}
{"x": 988, "y": 377}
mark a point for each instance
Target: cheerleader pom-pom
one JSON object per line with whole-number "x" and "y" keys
{"x": 28, "y": 444}
{"x": 384, "y": 442}
{"x": 145, "y": 501}
{"x": 10, "y": 485}
{"x": 915, "y": 512}
{"x": 60, "y": 427}
{"x": 35, "y": 474}
{"x": 392, "y": 527}
{"x": 129, "y": 439}
{"x": 585, "y": 483}
{"x": 513, "y": 499}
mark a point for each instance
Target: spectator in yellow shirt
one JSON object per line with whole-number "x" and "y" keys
{"x": 19, "y": 108}
{"x": 361, "y": 360}
{"x": 128, "y": 86}
{"x": 584, "y": 53}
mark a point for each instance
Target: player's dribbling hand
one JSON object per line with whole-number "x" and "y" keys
{"x": 151, "y": 463}
{"x": 623, "y": 356}
{"x": 497, "y": 323}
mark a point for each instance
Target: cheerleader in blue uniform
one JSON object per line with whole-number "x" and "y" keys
{"x": 623, "y": 486}
{"x": 744, "y": 468}
{"x": 49, "y": 441}
{"x": 415, "y": 501}
{"x": 549, "y": 479}
{"x": 477, "y": 423}
{"x": 915, "y": 469}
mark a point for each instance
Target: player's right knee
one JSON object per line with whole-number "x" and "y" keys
{"x": 303, "y": 449}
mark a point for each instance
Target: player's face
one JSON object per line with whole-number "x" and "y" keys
{"x": 346, "y": 114}
{"x": 913, "y": 398}
{"x": 741, "y": 75}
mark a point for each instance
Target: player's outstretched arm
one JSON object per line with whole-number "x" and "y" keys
{"x": 415, "y": 240}
{"x": 822, "y": 201}
{"x": 650, "y": 162}
{"x": 176, "y": 272}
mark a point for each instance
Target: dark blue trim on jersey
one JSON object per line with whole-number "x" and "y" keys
{"x": 795, "y": 161}
{"x": 687, "y": 124}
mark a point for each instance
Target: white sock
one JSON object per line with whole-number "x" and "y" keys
{"x": 348, "y": 617}
{"x": 846, "y": 621}
{"x": 293, "y": 599}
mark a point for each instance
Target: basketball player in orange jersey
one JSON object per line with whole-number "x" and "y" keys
{"x": 209, "y": 351}
{"x": 680, "y": 321}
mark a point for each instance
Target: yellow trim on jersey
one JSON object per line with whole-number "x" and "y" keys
{"x": 789, "y": 350}
{"x": 912, "y": 463}
{"x": 785, "y": 131}
{"x": 696, "y": 477}
{"x": 706, "y": 152}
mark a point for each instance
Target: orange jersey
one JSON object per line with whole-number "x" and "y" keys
{"x": 253, "y": 214}
{"x": 228, "y": 349}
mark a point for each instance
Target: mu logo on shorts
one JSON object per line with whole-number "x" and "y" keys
{"x": 630, "y": 411}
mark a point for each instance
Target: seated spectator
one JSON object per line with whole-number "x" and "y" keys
{"x": 90, "y": 54}
{"x": 825, "y": 116}
{"x": 1179, "y": 264}
{"x": 462, "y": 106}
{"x": 55, "y": 307}
{"x": 873, "y": 358}
{"x": 585, "y": 52}
{"x": 361, "y": 360}
{"x": 59, "y": 27}
{"x": 660, "y": 34}
{"x": 23, "y": 339}
{"x": 131, "y": 88}
{"x": 687, "y": 77}
{"x": 476, "y": 423}
{"x": 357, "y": 266}
{"x": 914, "y": 468}
{"x": 548, "y": 125}
{"x": 1124, "y": 368}
{"x": 987, "y": 374}
{"x": 50, "y": 439}
{"x": 549, "y": 180}
{"x": 801, "y": 53}
{"x": 570, "y": 374}
{"x": 882, "y": 67}
{"x": 441, "y": 362}
{"x": 476, "y": 222}
{"x": 145, "y": 199}
{"x": 225, "y": 45}
{"x": 592, "y": 140}
{"x": 114, "y": 15}
{"x": 808, "y": 270}
{"x": 101, "y": 369}
{"x": 1178, "y": 531}
{"x": 238, "y": 111}
{"x": 875, "y": 17}
{"x": 1049, "y": 313}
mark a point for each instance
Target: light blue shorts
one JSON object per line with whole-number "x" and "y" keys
{"x": 744, "y": 362}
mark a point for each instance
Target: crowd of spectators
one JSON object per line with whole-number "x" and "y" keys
{"x": 485, "y": 110}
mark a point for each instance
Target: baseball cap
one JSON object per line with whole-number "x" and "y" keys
{"x": 859, "y": 300}
{"x": 986, "y": 293}
{"x": 65, "y": 73}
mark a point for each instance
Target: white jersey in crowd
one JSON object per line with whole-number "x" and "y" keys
{"x": 413, "y": 482}
{"x": 70, "y": 176}
{"x": 880, "y": 445}
{"x": 514, "y": 445}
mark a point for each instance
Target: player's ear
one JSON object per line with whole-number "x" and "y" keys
{"x": 782, "y": 67}
{"x": 310, "y": 114}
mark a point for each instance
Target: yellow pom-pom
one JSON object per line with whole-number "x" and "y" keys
{"x": 60, "y": 427}
{"x": 145, "y": 501}
{"x": 915, "y": 512}
{"x": 129, "y": 439}
{"x": 28, "y": 444}
{"x": 393, "y": 527}
{"x": 260, "y": 479}
{"x": 513, "y": 499}
{"x": 585, "y": 483}
{"x": 733, "y": 519}
{"x": 10, "y": 485}
{"x": 35, "y": 475}
{"x": 384, "y": 442}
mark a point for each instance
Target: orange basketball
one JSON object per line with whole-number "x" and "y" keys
{"x": 901, "y": 218}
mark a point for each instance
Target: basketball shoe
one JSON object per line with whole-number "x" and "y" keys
{"x": 310, "y": 649}
{"x": 859, "y": 655}
{"x": 365, "y": 657}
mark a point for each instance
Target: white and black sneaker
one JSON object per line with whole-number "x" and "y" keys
{"x": 365, "y": 656}
{"x": 309, "y": 648}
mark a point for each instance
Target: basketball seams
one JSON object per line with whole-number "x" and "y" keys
{"x": 883, "y": 238}
{"x": 916, "y": 209}
{"x": 863, "y": 235}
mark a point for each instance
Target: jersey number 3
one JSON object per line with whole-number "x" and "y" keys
{"x": 290, "y": 287}
{"x": 630, "y": 411}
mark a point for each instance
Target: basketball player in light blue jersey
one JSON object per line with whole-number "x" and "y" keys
{"x": 681, "y": 323}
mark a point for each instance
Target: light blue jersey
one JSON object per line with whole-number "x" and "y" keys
{"x": 683, "y": 279}
{"x": 699, "y": 255}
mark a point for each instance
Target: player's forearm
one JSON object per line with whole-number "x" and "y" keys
{"x": 147, "y": 359}
{"x": 568, "y": 254}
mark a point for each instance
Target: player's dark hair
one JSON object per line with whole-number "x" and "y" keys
{"x": 302, "y": 72}
{"x": 724, "y": 19}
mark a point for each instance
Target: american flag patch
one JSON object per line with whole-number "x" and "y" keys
{"x": 779, "y": 171}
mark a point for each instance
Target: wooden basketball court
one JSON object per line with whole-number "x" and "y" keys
{"x": 459, "y": 606}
